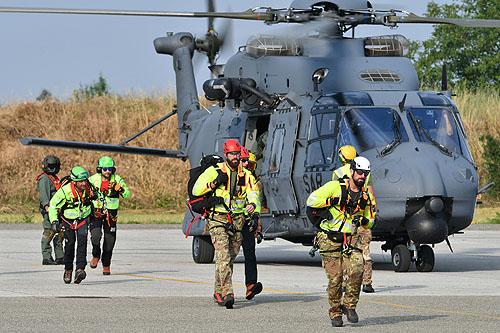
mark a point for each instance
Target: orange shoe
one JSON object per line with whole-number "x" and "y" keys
{"x": 105, "y": 270}
{"x": 94, "y": 262}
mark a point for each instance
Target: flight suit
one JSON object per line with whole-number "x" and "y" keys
{"x": 239, "y": 190}
{"x": 248, "y": 245}
{"x": 106, "y": 211}
{"x": 47, "y": 186}
{"x": 340, "y": 243}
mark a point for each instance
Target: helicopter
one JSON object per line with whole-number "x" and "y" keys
{"x": 298, "y": 98}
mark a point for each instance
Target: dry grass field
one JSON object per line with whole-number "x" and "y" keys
{"x": 155, "y": 183}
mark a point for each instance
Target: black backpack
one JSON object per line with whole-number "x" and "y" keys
{"x": 204, "y": 203}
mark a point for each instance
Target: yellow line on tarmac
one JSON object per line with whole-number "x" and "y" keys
{"x": 304, "y": 294}
{"x": 431, "y": 309}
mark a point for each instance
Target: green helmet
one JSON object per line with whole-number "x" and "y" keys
{"x": 78, "y": 174}
{"x": 105, "y": 162}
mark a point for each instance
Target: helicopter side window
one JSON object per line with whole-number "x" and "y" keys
{"x": 277, "y": 149}
{"x": 322, "y": 134}
{"x": 441, "y": 125}
{"x": 367, "y": 128}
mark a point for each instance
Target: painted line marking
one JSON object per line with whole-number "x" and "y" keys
{"x": 304, "y": 294}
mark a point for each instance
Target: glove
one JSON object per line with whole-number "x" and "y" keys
{"x": 221, "y": 179}
{"x": 114, "y": 190}
{"x": 94, "y": 195}
{"x": 253, "y": 222}
{"x": 360, "y": 220}
{"x": 56, "y": 226}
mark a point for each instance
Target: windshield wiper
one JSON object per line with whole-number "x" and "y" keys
{"x": 397, "y": 131}
{"x": 434, "y": 142}
{"x": 415, "y": 123}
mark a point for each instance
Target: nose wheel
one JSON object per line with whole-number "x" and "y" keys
{"x": 403, "y": 255}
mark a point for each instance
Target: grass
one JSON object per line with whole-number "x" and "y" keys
{"x": 486, "y": 215}
{"x": 124, "y": 217}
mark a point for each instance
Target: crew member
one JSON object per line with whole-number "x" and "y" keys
{"x": 48, "y": 184}
{"x": 238, "y": 195}
{"x": 250, "y": 228}
{"x": 342, "y": 207}
{"x": 110, "y": 187}
{"x": 346, "y": 155}
{"x": 73, "y": 204}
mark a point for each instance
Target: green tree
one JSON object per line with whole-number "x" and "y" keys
{"x": 491, "y": 155}
{"x": 97, "y": 88}
{"x": 472, "y": 55}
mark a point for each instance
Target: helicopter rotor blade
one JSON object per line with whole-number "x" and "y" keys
{"x": 211, "y": 9}
{"x": 250, "y": 14}
{"x": 469, "y": 23}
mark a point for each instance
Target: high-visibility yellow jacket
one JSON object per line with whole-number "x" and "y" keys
{"x": 111, "y": 203}
{"x": 334, "y": 195}
{"x": 246, "y": 190}
{"x": 73, "y": 206}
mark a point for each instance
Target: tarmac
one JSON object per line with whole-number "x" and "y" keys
{"x": 156, "y": 286}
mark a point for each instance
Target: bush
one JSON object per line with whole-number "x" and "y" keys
{"x": 491, "y": 155}
{"x": 99, "y": 88}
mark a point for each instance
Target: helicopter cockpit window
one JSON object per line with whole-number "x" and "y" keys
{"x": 441, "y": 125}
{"x": 322, "y": 134}
{"x": 372, "y": 127}
{"x": 277, "y": 149}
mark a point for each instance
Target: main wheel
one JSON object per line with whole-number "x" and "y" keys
{"x": 401, "y": 258}
{"x": 425, "y": 261}
{"x": 203, "y": 250}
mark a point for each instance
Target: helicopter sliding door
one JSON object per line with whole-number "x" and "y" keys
{"x": 278, "y": 165}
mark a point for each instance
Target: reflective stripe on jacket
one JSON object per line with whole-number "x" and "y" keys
{"x": 68, "y": 199}
{"x": 111, "y": 203}
{"x": 331, "y": 193}
{"x": 246, "y": 189}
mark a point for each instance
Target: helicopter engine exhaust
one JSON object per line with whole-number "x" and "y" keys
{"x": 428, "y": 224}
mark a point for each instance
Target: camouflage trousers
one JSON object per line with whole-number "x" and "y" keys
{"x": 366, "y": 238}
{"x": 226, "y": 250}
{"x": 333, "y": 261}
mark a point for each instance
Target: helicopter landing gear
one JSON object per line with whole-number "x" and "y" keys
{"x": 425, "y": 259}
{"x": 401, "y": 258}
{"x": 403, "y": 255}
{"x": 203, "y": 250}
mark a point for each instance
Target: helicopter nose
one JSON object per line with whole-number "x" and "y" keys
{"x": 434, "y": 205}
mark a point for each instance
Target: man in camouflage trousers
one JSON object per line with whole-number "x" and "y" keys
{"x": 338, "y": 209}
{"x": 235, "y": 189}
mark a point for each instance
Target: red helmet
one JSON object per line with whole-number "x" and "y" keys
{"x": 244, "y": 153}
{"x": 231, "y": 146}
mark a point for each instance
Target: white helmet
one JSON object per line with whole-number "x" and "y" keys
{"x": 360, "y": 163}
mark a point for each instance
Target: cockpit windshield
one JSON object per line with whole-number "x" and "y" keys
{"x": 366, "y": 128}
{"x": 441, "y": 125}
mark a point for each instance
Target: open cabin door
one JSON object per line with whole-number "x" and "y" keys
{"x": 278, "y": 164}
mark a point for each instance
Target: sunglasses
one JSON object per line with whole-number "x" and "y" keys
{"x": 244, "y": 160}
{"x": 362, "y": 172}
{"x": 108, "y": 169}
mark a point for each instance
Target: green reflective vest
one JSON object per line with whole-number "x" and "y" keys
{"x": 69, "y": 201}
{"x": 104, "y": 198}
{"x": 246, "y": 189}
{"x": 330, "y": 196}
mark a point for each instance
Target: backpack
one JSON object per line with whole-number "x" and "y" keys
{"x": 202, "y": 204}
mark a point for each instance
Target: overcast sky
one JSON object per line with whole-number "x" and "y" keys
{"x": 60, "y": 52}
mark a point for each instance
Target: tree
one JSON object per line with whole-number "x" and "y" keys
{"x": 472, "y": 55}
{"x": 99, "y": 88}
{"x": 44, "y": 95}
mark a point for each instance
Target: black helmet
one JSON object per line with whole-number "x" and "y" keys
{"x": 51, "y": 165}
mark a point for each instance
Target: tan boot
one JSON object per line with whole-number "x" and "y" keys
{"x": 105, "y": 270}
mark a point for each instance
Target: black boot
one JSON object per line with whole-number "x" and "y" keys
{"x": 49, "y": 261}
{"x": 337, "y": 322}
{"x": 253, "y": 289}
{"x": 229, "y": 301}
{"x": 352, "y": 316}
{"x": 80, "y": 275}
{"x": 367, "y": 288}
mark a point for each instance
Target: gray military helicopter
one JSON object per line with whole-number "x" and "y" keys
{"x": 296, "y": 100}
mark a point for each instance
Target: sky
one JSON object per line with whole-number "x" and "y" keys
{"x": 61, "y": 52}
